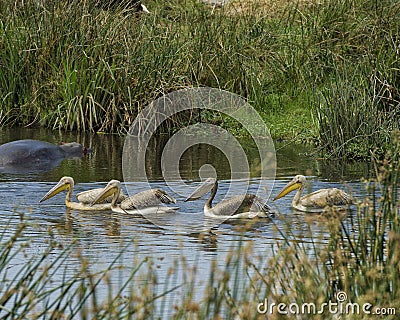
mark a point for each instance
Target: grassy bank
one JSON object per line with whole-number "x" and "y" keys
{"x": 316, "y": 71}
{"x": 358, "y": 264}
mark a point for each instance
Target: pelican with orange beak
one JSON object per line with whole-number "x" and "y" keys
{"x": 85, "y": 198}
{"x": 317, "y": 200}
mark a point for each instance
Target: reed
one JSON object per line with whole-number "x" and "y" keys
{"x": 357, "y": 105}
{"x": 361, "y": 257}
{"x": 72, "y": 65}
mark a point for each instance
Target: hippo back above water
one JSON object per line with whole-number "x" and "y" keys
{"x": 37, "y": 154}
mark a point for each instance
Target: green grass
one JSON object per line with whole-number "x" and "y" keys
{"x": 308, "y": 68}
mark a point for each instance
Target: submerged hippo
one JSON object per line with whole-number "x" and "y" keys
{"x": 36, "y": 155}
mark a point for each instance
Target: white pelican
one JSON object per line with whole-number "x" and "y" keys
{"x": 317, "y": 200}
{"x": 241, "y": 206}
{"x": 148, "y": 201}
{"x": 85, "y": 198}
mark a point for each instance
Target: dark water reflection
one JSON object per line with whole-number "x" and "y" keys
{"x": 99, "y": 236}
{"x": 104, "y": 163}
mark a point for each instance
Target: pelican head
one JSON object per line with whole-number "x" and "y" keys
{"x": 202, "y": 189}
{"x": 113, "y": 187}
{"x": 65, "y": 183}
{"x": 296, "y": 183}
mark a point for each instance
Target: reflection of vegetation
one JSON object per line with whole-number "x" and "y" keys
{"x": 361, "y": 259}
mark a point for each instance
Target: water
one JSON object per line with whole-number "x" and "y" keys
{"x": 100, "y": 236}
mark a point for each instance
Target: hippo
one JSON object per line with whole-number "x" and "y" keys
{"x": 36, "y": 155}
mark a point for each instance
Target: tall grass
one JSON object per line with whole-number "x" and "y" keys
{"x": 353, "y": 119}
{"x": 73, "y": 65}
{"x": 76, "y": 66}
{"x": 358, "y": 103}
{"x": 362, "y": 254}
{"x": 33, "y": 293}
{"x": 365, "y": 251}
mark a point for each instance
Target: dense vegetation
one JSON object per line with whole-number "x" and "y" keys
{"x": 324, "y": 71}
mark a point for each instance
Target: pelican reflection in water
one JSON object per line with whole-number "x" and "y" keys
{"x": 85, "y": 198}
{"x": 315, "y": 201}
{"x": 241, "y": 206}
{"x": 148, "y": 201}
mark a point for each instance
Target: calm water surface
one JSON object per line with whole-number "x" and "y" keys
{"x": 100, "y": 236}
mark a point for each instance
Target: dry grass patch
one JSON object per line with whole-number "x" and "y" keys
{"x": 271, "y": 8}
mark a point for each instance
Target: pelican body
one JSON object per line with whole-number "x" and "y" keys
{"x": 148, "y": 201}
{"x": 317, "y": 200}
{"x": 85, "y": 198}
{"x": 241, "y": 206}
